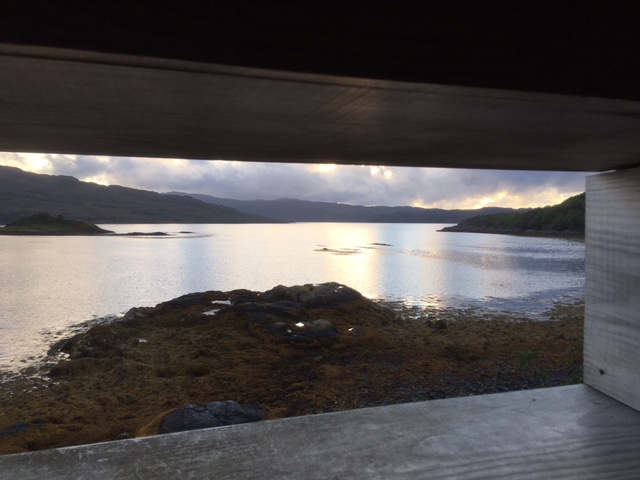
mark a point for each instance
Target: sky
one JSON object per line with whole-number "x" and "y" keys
{"x": 356, "y": 185}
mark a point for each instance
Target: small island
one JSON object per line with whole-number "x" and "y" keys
{"x": 46, "y": 224}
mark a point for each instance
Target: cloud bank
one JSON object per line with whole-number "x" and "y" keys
{"x": 426, "y": 187}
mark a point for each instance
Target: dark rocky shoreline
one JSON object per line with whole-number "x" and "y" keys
{"x": 288, "y": 351}
{"x": 521, "y": 233}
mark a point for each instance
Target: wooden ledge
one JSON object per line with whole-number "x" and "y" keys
{"x": 563, "y": 432}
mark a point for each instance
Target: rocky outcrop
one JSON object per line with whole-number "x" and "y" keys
{"x": 288, "y": 351}
{"x": 313, "y": 295}
{"x": 286, "y": 312}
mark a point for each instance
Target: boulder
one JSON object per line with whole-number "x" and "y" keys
{"x": 13, "y": 429}
{"x": 135, "y": 313}
{"x": 440, "y": 324}
{"x": 214, "y": 414}
{"x": 304, "y": 330}
{"x": 187, "y": 300}
{"x": 313, "y": 295}
{"x": 317, "y": 329}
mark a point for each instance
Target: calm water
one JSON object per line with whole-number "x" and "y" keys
{"x": 48, "y": 284}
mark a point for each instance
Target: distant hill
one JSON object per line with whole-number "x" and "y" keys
{"x": 566, "y": 218}
{"x": 23, "y": 194}
{"x": 292, "y": 210}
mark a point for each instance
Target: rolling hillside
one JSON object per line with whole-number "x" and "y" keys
{"x": 23, "y": 194}
{"x": 293, "y": 210}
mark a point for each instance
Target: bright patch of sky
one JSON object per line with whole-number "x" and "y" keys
{"x": 357, "y": 185}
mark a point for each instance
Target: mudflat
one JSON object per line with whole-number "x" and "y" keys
{"x": 289, "y": 351}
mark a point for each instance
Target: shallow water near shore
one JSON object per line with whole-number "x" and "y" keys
{"x": 51, "y": 284}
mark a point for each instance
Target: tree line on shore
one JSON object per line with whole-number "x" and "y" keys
{"x": 566, "y": 217}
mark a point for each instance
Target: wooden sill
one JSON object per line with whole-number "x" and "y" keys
{"x": 563, "y": 432}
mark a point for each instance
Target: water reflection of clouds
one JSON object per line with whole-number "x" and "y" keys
{"x": 502, "y": 260}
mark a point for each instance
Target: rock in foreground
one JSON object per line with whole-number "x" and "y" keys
{"x": 214, "y": 414}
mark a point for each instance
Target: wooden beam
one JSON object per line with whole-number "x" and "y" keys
{"x": 612, "y": 321}
{"x": 560, "y": 433}
{"x": 70, "y": 102}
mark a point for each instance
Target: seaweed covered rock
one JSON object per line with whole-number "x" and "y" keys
{"x": 285, "y": 352}
{"x": 99, "y": 341}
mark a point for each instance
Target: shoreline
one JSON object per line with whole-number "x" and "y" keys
{"x": 120, "y": 378}
{"x": 517, "y": 233}
{"x": 60, "y": 233}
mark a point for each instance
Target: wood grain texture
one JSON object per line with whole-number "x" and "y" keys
{"x": 612, "y": 313}
{"x": 559, "y": 433}
{"x": 59, "y": 101}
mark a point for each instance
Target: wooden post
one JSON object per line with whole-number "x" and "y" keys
{"x": 612, "y": 317}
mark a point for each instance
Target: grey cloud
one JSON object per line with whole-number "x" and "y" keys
{"x": 346, "y": 184}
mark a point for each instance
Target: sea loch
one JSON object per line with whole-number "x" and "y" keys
{"x": 49, "y": 284}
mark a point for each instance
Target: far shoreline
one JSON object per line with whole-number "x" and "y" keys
{"x": 517, "y": 233}
{"x": 63, "y": 233}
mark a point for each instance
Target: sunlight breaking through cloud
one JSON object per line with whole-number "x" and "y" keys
{"x": 324, "y": 168}
{"x": 351, "y": 184}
